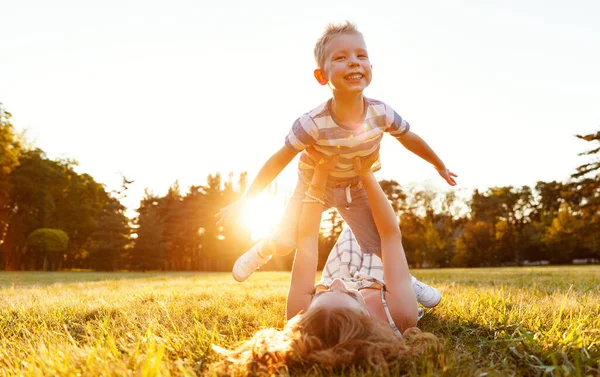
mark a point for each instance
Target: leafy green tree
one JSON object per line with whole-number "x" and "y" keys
{"x": 429, "y": 227}
{"x": 110, "y": 240}
{"x": 170, "y": 215}
{"x": 508, "y": 210}
{"x": 532, "y": 248}
{"x": 30, "y": 205}
{"x": 192, "y": 207}
{"x": 485, "y": 207}
{"x": 183, "y": 231}
{"x": 80, "y": 207}
{"x": 48, "y": 245}
{"x": 212, "y": 237}
{"x": 50, "y": 194}
{"x": 586, "y": 181}
{"x": 149, "y": 245}
{"x": 593, "y": 167}
{"x": 36, "y": 192}
{"x": 475, "y": 245}
{"x": 561, "y": 236}
{"x": 10, "y": 151}
{"x": 412, "y": 228}
{"x": 550, "y": 196}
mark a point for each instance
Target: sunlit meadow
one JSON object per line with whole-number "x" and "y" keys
{"x": 491, "y": 322}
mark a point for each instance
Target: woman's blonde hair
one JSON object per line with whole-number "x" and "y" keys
{"x": 329, "y": 338}
{"x": 332, "y": 31}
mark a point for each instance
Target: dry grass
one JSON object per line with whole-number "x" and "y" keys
{"x": 492, "y": 322}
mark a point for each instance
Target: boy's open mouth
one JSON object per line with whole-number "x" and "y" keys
{"x": 354, "y": 76}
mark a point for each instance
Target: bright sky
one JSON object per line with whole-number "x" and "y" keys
{"x": 165, "y": 91}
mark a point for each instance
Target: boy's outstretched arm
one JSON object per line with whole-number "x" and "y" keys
{"x": 418, "y": 146}
{"x": 269, "y": 171}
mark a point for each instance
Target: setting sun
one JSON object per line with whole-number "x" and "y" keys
{"x": 261, "y": 215}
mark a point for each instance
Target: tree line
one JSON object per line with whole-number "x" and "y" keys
{"x": 53, "y": 218}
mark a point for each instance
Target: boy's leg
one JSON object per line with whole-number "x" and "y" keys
{"x": 249, "y": 262}
{"x": 357, "y": 214}
{"x": 427, "y": 295}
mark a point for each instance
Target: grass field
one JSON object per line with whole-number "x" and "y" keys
{"x": 491, "y": 322}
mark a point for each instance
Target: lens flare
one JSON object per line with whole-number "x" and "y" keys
{"x": 261, "y": 215}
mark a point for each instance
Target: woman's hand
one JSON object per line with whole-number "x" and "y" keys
{"x": 363, "y": 166}
{"x": 322, "y": 161}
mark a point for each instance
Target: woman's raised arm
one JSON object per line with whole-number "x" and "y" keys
{"x": 304, "y": 269}
{"x": 395, "y": 266}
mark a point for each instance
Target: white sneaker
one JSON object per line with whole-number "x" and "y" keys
{"x": 426, "y": 295}
{"x": 249, "y": 262}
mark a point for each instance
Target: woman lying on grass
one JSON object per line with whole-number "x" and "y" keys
{"x": 340, "y": 323}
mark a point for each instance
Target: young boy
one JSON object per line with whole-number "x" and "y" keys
{"x": 349, "y": 125}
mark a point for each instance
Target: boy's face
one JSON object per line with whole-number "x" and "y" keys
{"x": 347, "y": 67}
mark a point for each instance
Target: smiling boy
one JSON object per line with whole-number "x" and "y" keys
{"x": 348, "y": 125}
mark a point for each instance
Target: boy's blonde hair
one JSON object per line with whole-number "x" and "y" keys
{"x": 332, "y": 31}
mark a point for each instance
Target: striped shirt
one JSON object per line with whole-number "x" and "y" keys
{"x": 320, "y": 129}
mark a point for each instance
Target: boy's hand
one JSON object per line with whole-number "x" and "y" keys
{"x": 447, "y": 175}
{"x": 229, "y": 214}
{"x": 363, "y": 166}
{"x": 322, "y": 161}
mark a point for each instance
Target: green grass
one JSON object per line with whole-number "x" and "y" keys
{"x": 491, "y": 322}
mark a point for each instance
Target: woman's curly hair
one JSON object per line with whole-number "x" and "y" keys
{"x": 330, "y": 338}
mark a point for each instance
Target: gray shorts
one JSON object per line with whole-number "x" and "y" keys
{"x": 356, "y": 212}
